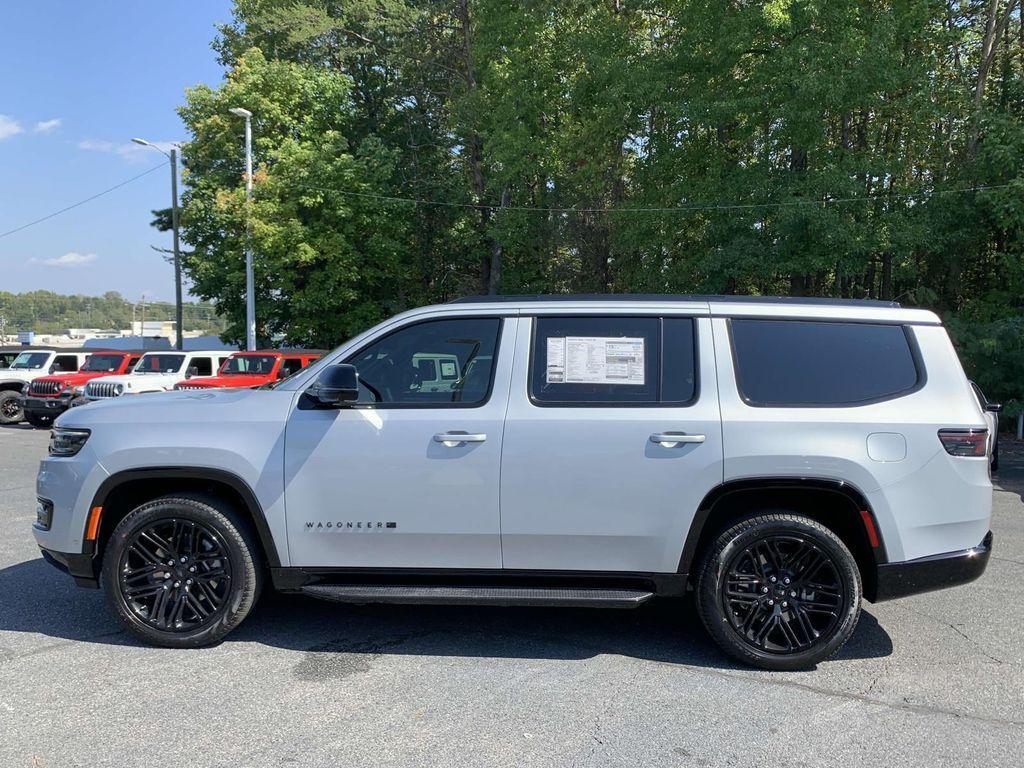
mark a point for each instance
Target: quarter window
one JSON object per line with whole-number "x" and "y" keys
{"x": 437, "y": 362}
{"x": 613, "y": 361}
{"x": 797, "y": 363}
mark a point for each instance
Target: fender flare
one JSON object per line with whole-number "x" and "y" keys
{"x": 229, "y": 479}
{"x": 719, "y": 492}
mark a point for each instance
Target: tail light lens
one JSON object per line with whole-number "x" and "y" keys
{"x": 964, "y": 442}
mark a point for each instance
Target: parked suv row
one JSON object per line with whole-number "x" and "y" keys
{"x": 31, "y": 363}
{"x": 156, "y": 372}
{"x": 255, "y": 369}
{"x": 782, "y": 459}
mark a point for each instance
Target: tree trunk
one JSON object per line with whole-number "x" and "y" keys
{"x": 994, "y": 27}
{"x": 494, "y": 270}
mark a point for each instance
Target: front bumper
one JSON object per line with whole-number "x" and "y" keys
{"x": 48, "y": 405}
{"x": 81, "y": 567}
{"x": 926, "y": 574}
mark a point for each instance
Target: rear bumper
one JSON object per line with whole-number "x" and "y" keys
{"x": 926, "y": 574}
{"x": 81, "y": 567}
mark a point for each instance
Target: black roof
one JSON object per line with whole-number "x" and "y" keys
{"x": 668, "y": 297}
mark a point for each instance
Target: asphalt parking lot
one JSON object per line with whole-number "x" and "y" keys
{"x": 931, "y": 680}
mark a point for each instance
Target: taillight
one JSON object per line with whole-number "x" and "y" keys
{"x": 964, "y": 442}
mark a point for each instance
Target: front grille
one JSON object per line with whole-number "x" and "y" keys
{"x": 99, "y": 389}
{"x": 39, "y": 387}
{"x": 191, "y": 386}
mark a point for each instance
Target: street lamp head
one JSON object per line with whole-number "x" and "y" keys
{"x": 143, "y": 142}
{"x": 240, "y": 112}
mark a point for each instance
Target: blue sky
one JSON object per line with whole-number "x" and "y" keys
{"x": 77, "y": 81}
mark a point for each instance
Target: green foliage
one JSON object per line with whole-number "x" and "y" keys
{"x": 812, "y": 147}
{"x": 46, "y": 312}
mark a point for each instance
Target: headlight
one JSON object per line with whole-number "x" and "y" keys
{"x": 79, "y": 390}
{"x": 119, "y": 389}
{"x": 67, "y": 442}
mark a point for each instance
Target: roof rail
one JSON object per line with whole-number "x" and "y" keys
{"x": 669, "y": 297}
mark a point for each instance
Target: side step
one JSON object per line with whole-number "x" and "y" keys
{"x": 509, "y": 596}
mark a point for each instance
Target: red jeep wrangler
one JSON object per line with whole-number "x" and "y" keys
{"x": 255, "y": 369}
{"x": 49, "y": 396}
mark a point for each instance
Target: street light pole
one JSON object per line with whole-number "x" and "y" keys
{"x": 250, "y": 298}
{"x": 175, "y": 221}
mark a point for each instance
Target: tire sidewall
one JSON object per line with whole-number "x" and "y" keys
{"x": 739, "y": 537}
{"x": 244, "y": 585}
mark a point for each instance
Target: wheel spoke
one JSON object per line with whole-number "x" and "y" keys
{"x": 157, "y": 580}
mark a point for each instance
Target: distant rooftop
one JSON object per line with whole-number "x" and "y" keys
{"x": 669, "y": 297}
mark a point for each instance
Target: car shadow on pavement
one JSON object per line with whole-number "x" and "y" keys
{"x": 39, "y": 599}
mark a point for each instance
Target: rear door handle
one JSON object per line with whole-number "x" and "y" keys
{"x": 672, "y": 439}
{"x": 452, "y": 439}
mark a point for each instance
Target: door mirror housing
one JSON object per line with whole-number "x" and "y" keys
{"x": 994, "y": 407}
{"x": 336, "y": 385}
{"x": 193, "y": 371}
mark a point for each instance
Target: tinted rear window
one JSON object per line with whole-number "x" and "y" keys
{"x": 796, "y": 363}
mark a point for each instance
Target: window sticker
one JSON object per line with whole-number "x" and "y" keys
{"x": 595, "y": 360}
{"x": 448, "y": 370}
{"x": 556, "y": 360}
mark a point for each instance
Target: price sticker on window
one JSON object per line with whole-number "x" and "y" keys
{"x": 595, "y": 360}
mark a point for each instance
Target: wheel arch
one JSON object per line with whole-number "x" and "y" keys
{"x": 836, "y": 504}
{"x": 123, "y": 491}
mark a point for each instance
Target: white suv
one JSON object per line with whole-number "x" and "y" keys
{"x": 781, "y": 458}
{"x": 156, "y": 372}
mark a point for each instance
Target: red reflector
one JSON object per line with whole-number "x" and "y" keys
{"x": 869, "y": 526}
{"x": 964, "y": 442}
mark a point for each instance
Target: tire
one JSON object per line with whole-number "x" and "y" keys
{"x": 39, "y": 420}
{"x": 164, "y": 604}
{"x": 10, "y": 407}
{"x": 779, "y": 625}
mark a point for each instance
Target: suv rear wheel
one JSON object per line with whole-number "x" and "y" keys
{"x": 181, "y": 572}
{"x": 779, "y": 591}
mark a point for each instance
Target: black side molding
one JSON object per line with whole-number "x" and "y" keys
{"x": 926, "y": 574}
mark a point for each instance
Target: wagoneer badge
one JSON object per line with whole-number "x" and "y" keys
{"x": 348, "y": 525}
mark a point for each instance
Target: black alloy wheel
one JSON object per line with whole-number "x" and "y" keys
{"x": 182, "y": 571}
{"x": 779, "y": 591}
{"x": 782, "y": 593}
{"x": 10, "y": 407}
{"x": 175, "y": 575}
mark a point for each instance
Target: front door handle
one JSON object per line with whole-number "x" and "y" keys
{"x": 672, "y": 439}
{"x": 452, "y": 439}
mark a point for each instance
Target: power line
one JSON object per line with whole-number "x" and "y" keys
{"x": 672, "y": 209}
{"x": 80, "y": 202}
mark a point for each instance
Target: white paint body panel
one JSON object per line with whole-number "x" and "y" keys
{"x": 586, "y": 489}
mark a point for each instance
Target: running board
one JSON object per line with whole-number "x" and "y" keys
{"x": 508, "y": 596}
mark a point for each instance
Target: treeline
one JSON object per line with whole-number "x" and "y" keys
{"x": 46, "y": 312}
{"x": 409, "y": 151}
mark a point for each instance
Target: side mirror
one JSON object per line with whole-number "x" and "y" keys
{"x": 193, "y": 371}
{"x": 336, "y": 385}
{"x": 994, "y": 407}
{"x": 282, "y": 374}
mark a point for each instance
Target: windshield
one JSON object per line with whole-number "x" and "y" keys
{"x": 159, "y": 364}
{"x": 30, "y": 361}
{"x": 102, "y": 363}
{"x": 250, "y": 364}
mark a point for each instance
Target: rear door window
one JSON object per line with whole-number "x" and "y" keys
{"x": 613, "y": 361}
{"x": 802, "y": 363}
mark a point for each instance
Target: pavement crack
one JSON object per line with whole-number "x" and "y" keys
{"x": 956, "y": 628}
{"x": 597, "y": 728}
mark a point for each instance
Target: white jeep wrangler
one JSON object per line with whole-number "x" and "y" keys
{"x": 780, "y": 458}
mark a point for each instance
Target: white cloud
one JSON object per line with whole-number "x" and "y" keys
{"x": 47, "y": 126}
{"x": 69, "y": 260}
{"x": 9, "y": 127}
{"x": 128, "y": 150}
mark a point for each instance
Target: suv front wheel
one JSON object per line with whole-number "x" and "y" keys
{"x": 181, "y": 572}
{"x": 779, "y": 591}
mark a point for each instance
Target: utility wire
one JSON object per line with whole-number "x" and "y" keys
{"x": 81, "y": 202}
{"x": 673, "y": 209}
